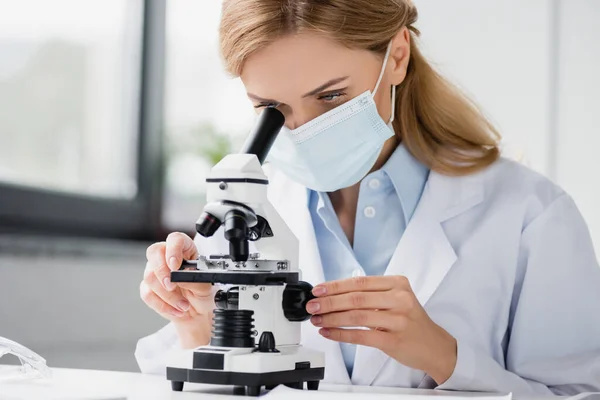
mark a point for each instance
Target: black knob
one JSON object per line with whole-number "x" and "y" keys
{"x": 266, "y": 344}
{"x": 295, "y": 297}
{"x": 227, "y": 300}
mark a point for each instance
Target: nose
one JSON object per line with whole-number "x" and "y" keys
{"x": 298, "y": 119}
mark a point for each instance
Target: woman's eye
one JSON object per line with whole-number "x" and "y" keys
{"x": 331, "y": 97}
{"x": 266, "y": 105}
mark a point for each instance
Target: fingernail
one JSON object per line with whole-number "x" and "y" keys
{"x": 183, "y": 305}
{"x": 316, "y": 320}
{"x": 173, "y": 263}
{"x": 168, "y": 284}
{"x": 176, "y": 313}
{"x": 313, "y": 307}
{"x": 319, "y": 290}
{"x": 325, "y": 332}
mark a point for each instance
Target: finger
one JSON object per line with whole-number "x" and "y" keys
{"x": 202, "y": 303}
{"x": 157, "y": 265}
{"x": 361, "y": 284}
{"x": 199, "y": 290}
{"x": 174, "y": 298}
{"x": 382, "y": 320}
{"x": 179, "y": 246}
{"x": 157, "y": 304}
{"x": 356, "y": 336}
{"x": 357, "y": 301}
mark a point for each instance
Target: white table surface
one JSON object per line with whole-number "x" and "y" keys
{"x": 92, "y": 384}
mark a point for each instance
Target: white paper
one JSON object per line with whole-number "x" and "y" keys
{"x": 283, "y": 392}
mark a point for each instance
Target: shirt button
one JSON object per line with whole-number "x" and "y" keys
{"x": 374, "y": 183}
{"x": 369, "y": 212}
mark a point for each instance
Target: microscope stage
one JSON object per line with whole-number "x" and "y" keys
{"x": 261, "y": 278}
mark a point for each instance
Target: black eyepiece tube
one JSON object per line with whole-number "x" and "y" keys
{"x": 264, "y": 133}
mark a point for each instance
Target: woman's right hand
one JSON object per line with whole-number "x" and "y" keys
{"x": 188, "y": 306}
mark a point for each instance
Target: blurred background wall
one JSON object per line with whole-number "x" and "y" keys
{"x": 111, "y": 113}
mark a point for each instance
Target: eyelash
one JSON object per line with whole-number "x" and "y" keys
{"x": 265, "y": 105}
{"x": 337, "y": 96}
{"x": 329, "y": 98}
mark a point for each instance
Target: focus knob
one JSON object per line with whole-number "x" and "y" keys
{"x": 295, "y": 297}
{"x": 227, "y": 300}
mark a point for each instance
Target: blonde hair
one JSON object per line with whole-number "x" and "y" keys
{"x": 437, "y": 124}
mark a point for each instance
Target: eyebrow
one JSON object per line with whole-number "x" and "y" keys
{"x": 322, "y": 87}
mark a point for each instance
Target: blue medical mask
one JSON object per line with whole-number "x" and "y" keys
{"x": 337, "y": 149}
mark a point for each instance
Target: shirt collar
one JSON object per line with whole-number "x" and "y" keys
{"x": 407, "y": 175}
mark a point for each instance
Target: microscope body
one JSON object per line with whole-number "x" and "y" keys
{"x": 262, "y": 301}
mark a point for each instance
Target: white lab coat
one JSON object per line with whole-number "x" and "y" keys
{"x": 501, "y": 259}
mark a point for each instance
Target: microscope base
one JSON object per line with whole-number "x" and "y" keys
{"x": 250, "y": 381}
{"x": 247, "y": 368}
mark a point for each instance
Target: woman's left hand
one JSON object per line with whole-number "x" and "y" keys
{"x": 399, "y": 326}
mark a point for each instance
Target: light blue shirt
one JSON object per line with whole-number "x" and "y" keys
{"x": 386, "y": 202}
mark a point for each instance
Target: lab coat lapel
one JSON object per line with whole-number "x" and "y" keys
{"x": 424, "y": 254}
{"x": 290, "y": 200}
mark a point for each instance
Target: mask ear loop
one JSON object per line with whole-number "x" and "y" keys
{"x": 393, "y": 104}
{"x": 387, "y": 55}
{"x": 385, "y": 59}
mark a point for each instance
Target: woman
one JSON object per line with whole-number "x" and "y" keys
{"x": 471, "y": 271}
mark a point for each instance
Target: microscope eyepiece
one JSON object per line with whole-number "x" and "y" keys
{"x": 264, "y": 133}
{"x": 236, "y": 228}
{"x": 207, "y": 224}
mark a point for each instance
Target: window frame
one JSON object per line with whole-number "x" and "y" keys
{"x": 37, "y": 211}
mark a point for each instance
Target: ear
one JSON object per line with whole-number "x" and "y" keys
{"x": 399, "y": 56}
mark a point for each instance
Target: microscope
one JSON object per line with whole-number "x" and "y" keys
{"x": 261, "y": 303}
